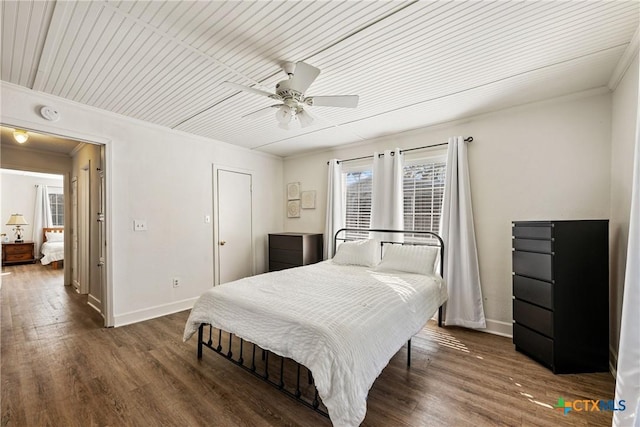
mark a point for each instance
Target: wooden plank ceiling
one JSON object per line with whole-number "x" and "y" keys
{"x": 413, "y": 64}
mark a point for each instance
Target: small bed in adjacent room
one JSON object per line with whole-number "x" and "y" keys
{"x": 52, "y": 247}
{"x": 342, "y": 319}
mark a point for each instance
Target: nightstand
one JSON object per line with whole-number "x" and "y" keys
{"x": 14, "y": 253}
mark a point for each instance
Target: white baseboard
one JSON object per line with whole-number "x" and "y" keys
{"x": 94, "y": 303}
{"x": 153, "y": 312}
{"x": 497, "y": 327}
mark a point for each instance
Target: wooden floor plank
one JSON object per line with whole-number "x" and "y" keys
{"x": 60, "y": 367}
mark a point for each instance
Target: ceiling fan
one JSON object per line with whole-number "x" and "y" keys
{"x": 291, "y": 94}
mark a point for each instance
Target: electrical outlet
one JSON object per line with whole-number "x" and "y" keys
{"x": 176, "y": 282}
{"x": 139, "y": 225}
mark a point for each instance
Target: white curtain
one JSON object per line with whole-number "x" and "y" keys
{"x": 628, "y": 370}
{"x": 387, "y": 197}
{"x": 461, "y": 270}
{"x": 41, "y": 216}
{"x": 336, "y": 205}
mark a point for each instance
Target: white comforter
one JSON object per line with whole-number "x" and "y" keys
{"x": 344, "y": 323}
{"x": 52, "y": 251}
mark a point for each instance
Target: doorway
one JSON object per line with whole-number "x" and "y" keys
{"x": 233, "y": 230}
{"x": 73, "y": 158}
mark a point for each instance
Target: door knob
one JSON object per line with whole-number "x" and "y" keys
{"x": 222, "y": 242}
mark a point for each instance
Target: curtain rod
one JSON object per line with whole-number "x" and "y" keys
{"x": 467, "y": 139}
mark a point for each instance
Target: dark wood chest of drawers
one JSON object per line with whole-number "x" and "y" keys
{"x": 561, "y": 293}
{"x": 288, "y": 250}
{"x": 14, "y": 253}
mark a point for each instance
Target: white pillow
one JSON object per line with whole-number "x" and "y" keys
{"x": 409, "y": 258}
{"x": 54, "y": 237}
{"x": 358, "y": 252}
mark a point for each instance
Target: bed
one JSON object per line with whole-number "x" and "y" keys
{"x": 52, "y": 247}
{"x": 343, "y": 319}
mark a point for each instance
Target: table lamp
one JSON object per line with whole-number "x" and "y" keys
{"x": 17, "y": 220}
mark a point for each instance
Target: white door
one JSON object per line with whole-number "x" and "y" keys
{"x": 233, "y": 223}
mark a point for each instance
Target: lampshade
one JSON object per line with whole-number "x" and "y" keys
{"x": 17, "y": 219}
{"x": 20, "y": 136}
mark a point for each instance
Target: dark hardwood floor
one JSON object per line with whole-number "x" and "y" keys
{"x": 59, "y": 367}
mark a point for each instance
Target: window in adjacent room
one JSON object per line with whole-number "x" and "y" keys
{"x": 56, "y": 202}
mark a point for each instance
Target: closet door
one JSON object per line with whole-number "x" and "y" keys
{"x": 233, "y": 244}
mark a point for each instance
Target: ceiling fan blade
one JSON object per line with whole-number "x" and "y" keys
{"x": 261, "y": 112}
{"x": 344, "y": 101}
{"x": 303, "y": 76}
{"x": 250, "y": 90}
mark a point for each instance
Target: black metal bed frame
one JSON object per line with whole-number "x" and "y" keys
{"x": 260, "y": 368}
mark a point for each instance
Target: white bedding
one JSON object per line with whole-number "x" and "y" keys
{"x": 52, "y": 251}
{"x": 342, "y": 322}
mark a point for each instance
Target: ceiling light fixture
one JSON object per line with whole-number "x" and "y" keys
{"x": 20, "y": 136}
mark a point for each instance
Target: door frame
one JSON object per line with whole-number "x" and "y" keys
{"x": 214, "y": 210}
{"x": 56, "y": 130}
{"x": 84, "y": 228}
{"x": 75, "y": 241}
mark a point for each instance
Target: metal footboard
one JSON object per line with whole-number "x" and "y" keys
{"x": 286, "y": 377}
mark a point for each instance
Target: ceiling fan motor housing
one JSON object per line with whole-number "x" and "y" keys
{"x": 283, "y": 89}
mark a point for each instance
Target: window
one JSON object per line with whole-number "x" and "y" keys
{"x": 56, "y": 201}
{"x": 423, "y": 188}
{"x": 358, "y": 208}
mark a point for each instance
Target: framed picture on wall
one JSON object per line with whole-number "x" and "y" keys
{"x": 293, "y": 191}
{"x": 293, "y": 209}
{"x": 308, "y": 199}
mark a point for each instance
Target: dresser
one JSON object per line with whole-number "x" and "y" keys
{"x": 288, "y": 250}
{"x": 561, "y": 293}
{"x": 14, "y": 253}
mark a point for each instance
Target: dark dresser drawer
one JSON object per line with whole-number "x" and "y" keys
{"x": 532, "y": 343}
{"x": 20, "y": 257}
{"x": 533, "y": 291}
{"x": 281, "y": 241}
{"x": 19, "y": 249}
{"x": 531, "y": 245}
{"x": 532, "y": 232}
{"x": 537, "y": 318}
{"x": 287, "y": 256}
{"x": 532, "y": 264}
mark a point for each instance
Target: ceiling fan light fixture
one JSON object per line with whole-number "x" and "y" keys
{"x": 20, "y": 136}
{"x": 305, "y": 118}
{"x": 284, "y": 115}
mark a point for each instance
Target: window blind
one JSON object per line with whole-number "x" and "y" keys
{"x": 358, "y": 203}
{"x": 423, "y": 188}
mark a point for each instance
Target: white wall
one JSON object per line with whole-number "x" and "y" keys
{"x": 19, "y": 196}
{"x": 546, "y": 160}
{"x": 623, "y": 127}
{"x": 165, "y": 177}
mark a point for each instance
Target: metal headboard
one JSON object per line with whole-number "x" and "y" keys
{"x": 438, "y": 239}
